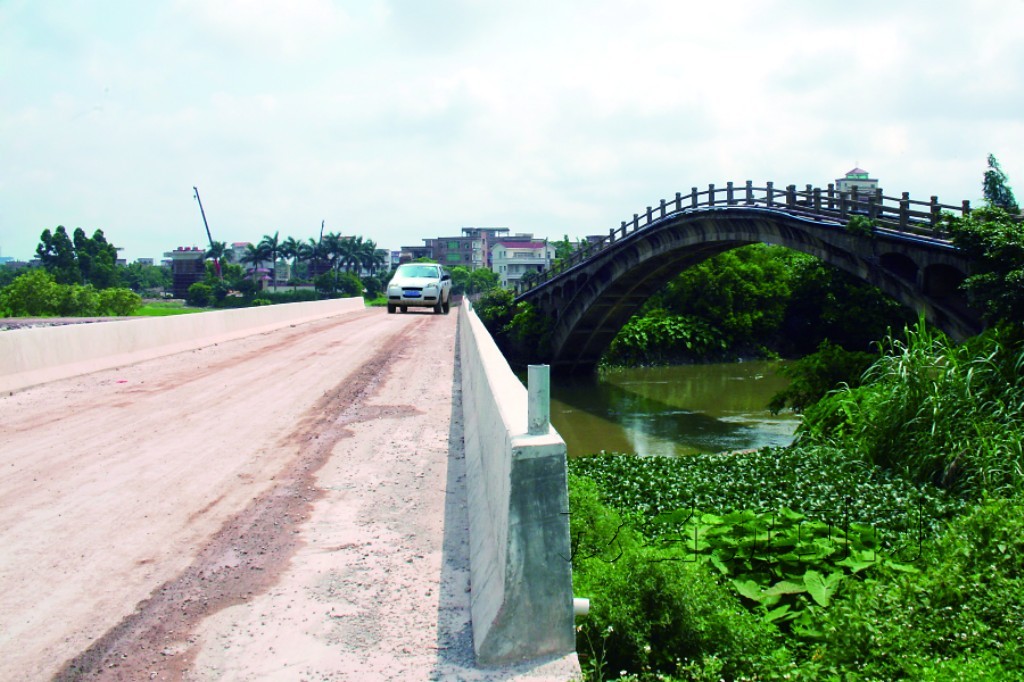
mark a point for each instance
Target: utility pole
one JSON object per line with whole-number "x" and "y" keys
{"x": 216, "y": 261}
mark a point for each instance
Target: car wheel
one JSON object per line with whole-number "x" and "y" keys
{"x": 391, "y": 309}
{"x": 405, "y": 308}
{"x": 438, "y": 308}
{"x": 447, "y": 305}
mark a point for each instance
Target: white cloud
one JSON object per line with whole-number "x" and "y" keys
{"x": 402, "y": 120}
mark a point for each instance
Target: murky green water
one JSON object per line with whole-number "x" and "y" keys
{"x": 672, "y": 410}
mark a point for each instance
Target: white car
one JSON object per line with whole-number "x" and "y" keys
{"x": 426, "y": 285}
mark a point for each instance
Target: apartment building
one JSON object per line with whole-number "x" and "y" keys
{"x": 515, "y": 256}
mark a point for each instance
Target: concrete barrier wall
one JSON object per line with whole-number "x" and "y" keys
{"x": 520, "y": 573}
{"x": 37, "y": 355}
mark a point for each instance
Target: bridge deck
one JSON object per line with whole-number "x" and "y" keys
{"x": 289, "y": 505}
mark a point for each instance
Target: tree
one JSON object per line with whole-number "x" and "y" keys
{"x": 272, "y": 247}
{"x": 57, "y": 254}
{"x": 292, "y": 248}
{"x": 254, "y": 256}
{"x": 997, "y": 192}
{"x": 369, "y": 256}
{"x": 460, "y": 279}
{"x": 481, "y": 280}
{"x": 348, "y": 252}
{"x": 994, "y": 240}
{"x": 140, "y": 277}
{"x": 221, "y": 255}
{"x": 563, "y": 248}
{"x": 309, "y": 253}
{"x": 97, "y": 259}
{"x": 88, "y": 260}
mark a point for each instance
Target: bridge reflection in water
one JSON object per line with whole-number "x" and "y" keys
{"x": 673, "y": 411}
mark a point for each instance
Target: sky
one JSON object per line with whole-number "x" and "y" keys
{"x": 398, "y": 120}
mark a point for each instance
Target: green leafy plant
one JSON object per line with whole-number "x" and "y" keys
{"x": 782, "y": 561}
{"x": 813, "y": 376}
{"x": 935, "y": 412}
{"x": 660, "y": 338}
{"x": 860, "y": 226}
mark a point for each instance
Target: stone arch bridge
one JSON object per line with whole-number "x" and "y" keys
{"x": 906, "y": 254}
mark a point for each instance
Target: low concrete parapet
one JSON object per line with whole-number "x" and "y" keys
{"x": 41, "y": 354}
{"x": 520, "y": 573}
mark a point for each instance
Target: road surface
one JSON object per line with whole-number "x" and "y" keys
{"x": 286, "y": 506}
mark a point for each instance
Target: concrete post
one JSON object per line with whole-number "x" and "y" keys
{"x": 770, "y": 193}
{"x": 711, "y": 194}
{"x": 750, "y": 193}
{"x": 693, "y": 197}
{"x": 538, "y": 380}
{"x": 904, "y": 210}
{"x": 679, "y": 201}
{"x": 729, "y": 193}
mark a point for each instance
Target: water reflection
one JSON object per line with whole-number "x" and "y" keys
{"x": 672, "y": 410}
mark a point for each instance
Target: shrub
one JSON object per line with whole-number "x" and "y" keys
{"x": 651, "y": 612}
{"x": 32, "y": 294}
{"x": 349, "y": 285}
{"x": 199, "y": 294}
{"x": 78, "y": 300}
{"x": 495, "y": 309}
{"x": 373, "y": 286}
{"x": 813, "y": 376}
{"x": 119, "y": 301}
{"x": 659, "y": 338}
{"x": 961, "y": 613}
{"x": 934, "y": 411}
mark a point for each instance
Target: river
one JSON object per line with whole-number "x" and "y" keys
{"x": 679, "y": 410}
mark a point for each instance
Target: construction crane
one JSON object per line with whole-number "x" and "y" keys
{"x": 216, "y": 261}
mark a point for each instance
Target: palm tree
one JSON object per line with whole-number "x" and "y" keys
{"x": 254, "y": 255}
{"x": 221, "y": 254}
{"x": 290, "y": 248}
{"x": 367, "y": 255}
{"x": 348, "y": 252}
{"x": 309, "y": 252}
{"x": 272, "y": 245}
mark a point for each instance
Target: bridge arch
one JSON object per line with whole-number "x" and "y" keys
{"x": 591, "y": 301}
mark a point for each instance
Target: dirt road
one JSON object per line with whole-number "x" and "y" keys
{"x": 283, "y": 506}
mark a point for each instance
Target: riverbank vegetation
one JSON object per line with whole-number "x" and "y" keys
{"x": 755, "y": 301}
{"x": 886, "y": 543}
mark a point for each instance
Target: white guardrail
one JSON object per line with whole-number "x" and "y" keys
{"x": 520, "y": 571}
{"x": 40, "y": 354}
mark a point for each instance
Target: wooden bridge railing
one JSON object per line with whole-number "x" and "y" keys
{"x": 901, "y": 214}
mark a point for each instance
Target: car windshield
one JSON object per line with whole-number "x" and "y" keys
{"x": 417, "y": 271}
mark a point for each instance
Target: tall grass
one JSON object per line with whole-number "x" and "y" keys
{"x": 935, "y": 411}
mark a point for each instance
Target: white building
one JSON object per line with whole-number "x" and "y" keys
{"x": 513, "y": 257}
{"x": 858, "y": 179}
